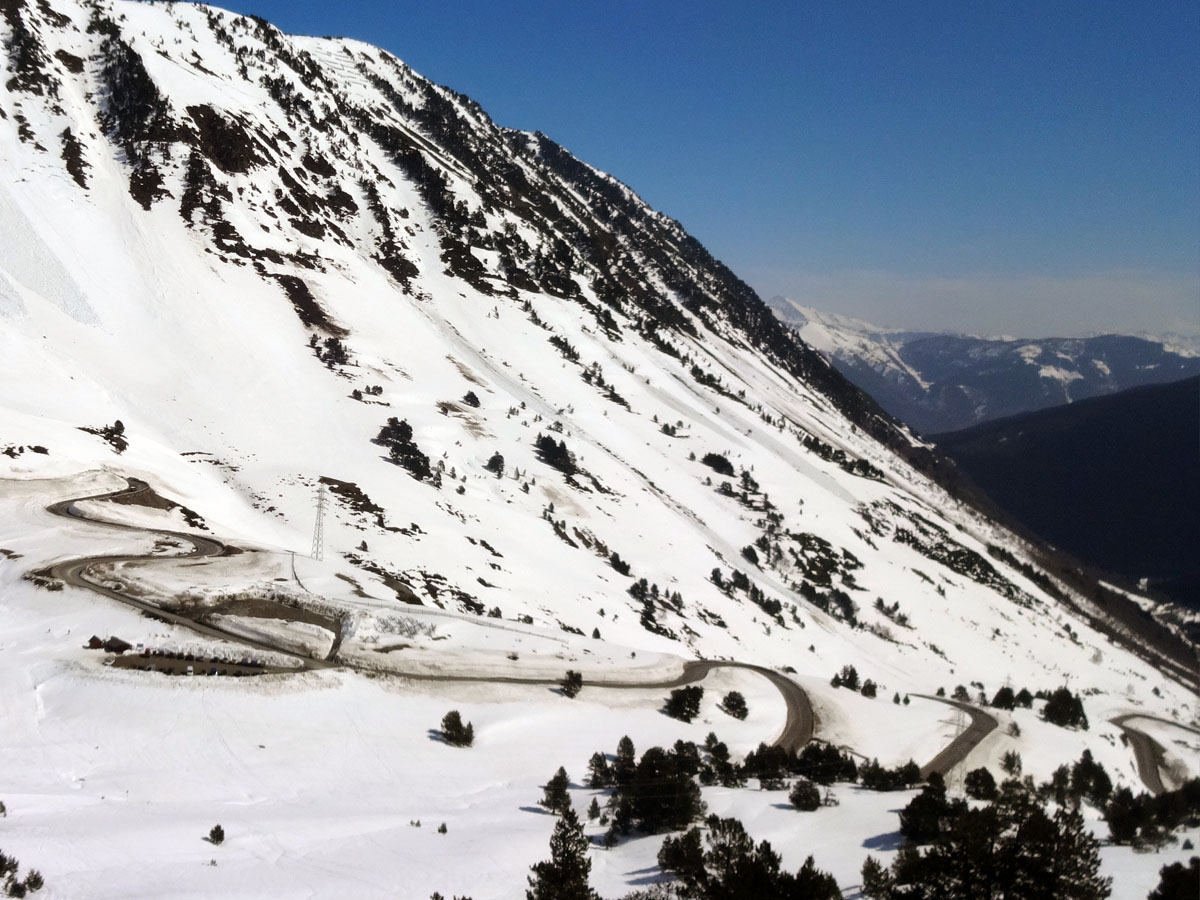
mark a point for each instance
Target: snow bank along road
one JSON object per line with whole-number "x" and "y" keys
{"x": 798, "y": 729}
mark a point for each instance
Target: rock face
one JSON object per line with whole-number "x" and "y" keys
{"x": 945, "y": 382}
{"x": 280, "y": 262}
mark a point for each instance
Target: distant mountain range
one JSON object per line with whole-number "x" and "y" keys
{"x": 944, "y": 382}
{"x": 1114, "y": 481}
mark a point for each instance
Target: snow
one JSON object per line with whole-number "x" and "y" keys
{"x": 1055, "y": 373}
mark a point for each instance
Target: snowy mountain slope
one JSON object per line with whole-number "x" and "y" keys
{"x": 227, "y": 238}
{"x": 943, "y": 382}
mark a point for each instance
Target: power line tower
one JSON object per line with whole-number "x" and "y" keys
{"x": 318, "y": 543}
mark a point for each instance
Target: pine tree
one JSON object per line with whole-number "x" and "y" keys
{"x": 626, "y": 763}
{"x": 735, "y": 704}
{"x": 600, "y": 774}
{"x": 1177, "y": 881}
{"x": 805, "y": 796}
{"x": 572, "y": 684}
{"x": 565, "y": 875}
{"x": 876, "y": 882}
{"x": 495, "y": 464}
{"x": 454, "y": 732}
{"x": 216, "y": 834}
{"x": 554, "y": 793}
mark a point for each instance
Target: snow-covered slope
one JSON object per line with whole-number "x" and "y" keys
{"x": 943, "y": 382}
{"x": 254, "y": 251}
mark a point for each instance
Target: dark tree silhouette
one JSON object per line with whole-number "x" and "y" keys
{"x": 565, "y": 875}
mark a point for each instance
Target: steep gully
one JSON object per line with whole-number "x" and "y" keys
{"x": 798, "y": 729}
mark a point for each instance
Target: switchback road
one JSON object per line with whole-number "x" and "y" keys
{"x": 1147, "y": 752}
{"x": 798, "y": 728}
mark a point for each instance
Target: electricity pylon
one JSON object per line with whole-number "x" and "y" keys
{"x": 318, "y": 543}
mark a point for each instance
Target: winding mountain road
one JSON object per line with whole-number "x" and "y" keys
{"x": 797, "y": 731}
{"x": 982, "y": 724}
{"x": 1148, "y": 753}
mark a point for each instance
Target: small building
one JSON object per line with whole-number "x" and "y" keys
{"x": 117, "y": 646}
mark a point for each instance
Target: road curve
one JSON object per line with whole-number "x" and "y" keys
{"x": 76, "y": 571}
{"x": 982, "y": 724}
{"x": 1148, "y": 753}
{"x": 797, "y": 731}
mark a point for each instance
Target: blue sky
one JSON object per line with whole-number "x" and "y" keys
{"x": 1019, "y": 167}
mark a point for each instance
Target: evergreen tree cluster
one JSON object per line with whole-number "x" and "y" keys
{"x": 1086, "y": 780}
{"x": 816, "y": 762}
{"x": 1065, "y": 709}
{"x": 454, "y": 732}
{"x": 724, "y": 863}
{"x": 846, "y": 678}
{"x": 1010, "y": 848}
{"x": 875, "y": 777}
{"x": 1177, "y": 881}
{"x": 555, "y": 453}
{"x": 1006, "y": 699}
{"x": 656, "y": 793}
{"x": 684, "y": 703}
{"x": 397, "y": 436}
{"x": 10, "y": 877}
{"x": 1146, "y": 820}
{"x": 719, "y": 463}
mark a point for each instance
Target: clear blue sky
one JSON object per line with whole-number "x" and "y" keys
{"x": 1019, "y": 167}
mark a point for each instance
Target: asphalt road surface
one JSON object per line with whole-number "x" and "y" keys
{"x": 982, "y": 724}
{"x": 1147, "y": 752}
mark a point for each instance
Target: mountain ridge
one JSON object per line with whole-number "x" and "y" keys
{"x": 944, "y": 381}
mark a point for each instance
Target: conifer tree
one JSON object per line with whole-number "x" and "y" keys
{"x": 565, "y": 875}
{"x": 554, "y": 793}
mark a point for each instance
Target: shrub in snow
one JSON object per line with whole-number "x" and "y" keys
{"x": 454, "y": 732}
{"x": 495, "y": 464}
{"x": 572, "y": 684}
{"x": 805, "y": 796}
{"x": 735, "y": 704}
{"x": 216, "y": 835}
